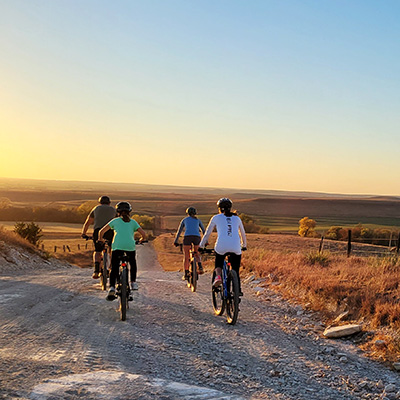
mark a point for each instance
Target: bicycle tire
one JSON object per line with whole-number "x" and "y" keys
{"x": 218, "y": 300}
{"x": 124, "y": 293}
{"x": 232, "y": 301}
{"x": 104, "y": 270}
{"x": 193, "y": 276}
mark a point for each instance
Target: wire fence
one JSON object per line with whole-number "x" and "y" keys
{"x": 362, "y": 246}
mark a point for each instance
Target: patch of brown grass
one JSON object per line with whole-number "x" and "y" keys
{"x": 170, "y": 257}
{"x": 11, "y": 238}
{"x": 367, "y": 287}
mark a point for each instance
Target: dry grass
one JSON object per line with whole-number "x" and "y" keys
{"x": 11, "y": 238}
{"x": 170, "y": 256}
{"x": 367, "y": 287}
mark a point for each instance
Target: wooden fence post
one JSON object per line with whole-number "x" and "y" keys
{"x": 321, "y": 244}
{"x": 79, "y": 246}
{"x": 349, "y": 244}
{"x": 55, "y": 249}
{"x": 64, "y": 248}
{"x": 398, "y": 244}
{"x": 68, "y": 248}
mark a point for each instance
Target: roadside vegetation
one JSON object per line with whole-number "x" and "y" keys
{"x": 8, "y": 237}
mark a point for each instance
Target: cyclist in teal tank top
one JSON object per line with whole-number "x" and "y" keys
{"x": 192, "y": 227}
{"x": 123, "y": 243}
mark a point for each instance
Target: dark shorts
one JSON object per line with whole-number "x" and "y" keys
{"x": 191, "y": 239}
{"x": 107, "y": 236}
{"x": 233, "y": 258}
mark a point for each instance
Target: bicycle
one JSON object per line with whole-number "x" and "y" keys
{"x": 226, "y": 297}
{"x": 122, "y": 290}
{"x": 106, "y": 262}
{"x": 193, "y": 276}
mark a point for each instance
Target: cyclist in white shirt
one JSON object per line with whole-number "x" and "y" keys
{"x": 231, "y": 239}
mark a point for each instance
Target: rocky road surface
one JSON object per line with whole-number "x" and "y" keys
{"x": 60, "y": 339}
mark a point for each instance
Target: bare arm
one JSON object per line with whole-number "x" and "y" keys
{"x": 143, "y": 233}
{"x": 103, "y": 230}
{"x": 88, "y": 222}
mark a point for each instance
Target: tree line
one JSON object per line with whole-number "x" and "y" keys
{"x": 359, "y": 233}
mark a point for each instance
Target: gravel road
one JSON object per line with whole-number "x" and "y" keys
{"x": 60, "y": 339}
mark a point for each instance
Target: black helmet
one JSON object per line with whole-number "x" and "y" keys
{"x": 224, "y": 204}
{"x": 104, "y": 200}
{"x": 123, "y": 206}
{"x": 191, "y": 211}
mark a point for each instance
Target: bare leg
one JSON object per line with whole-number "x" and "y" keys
{"x": 186, "y": 260}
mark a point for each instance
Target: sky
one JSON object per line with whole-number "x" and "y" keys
{"x": 263, "y": 94}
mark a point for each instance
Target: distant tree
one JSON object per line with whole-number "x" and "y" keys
{"x": 333, "y": 233}
{"x": 31, "y": 232}
{"x": 86, "y": 207}
{"x": 250, "y": 225}
{"x": 306, "y": 227}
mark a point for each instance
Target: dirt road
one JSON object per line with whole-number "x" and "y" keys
{"x": 60, "y": 339}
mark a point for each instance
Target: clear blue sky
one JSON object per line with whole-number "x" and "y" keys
{"x": 292, "y": 95}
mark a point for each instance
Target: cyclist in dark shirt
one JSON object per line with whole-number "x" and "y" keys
{"x": 100, "y": 215}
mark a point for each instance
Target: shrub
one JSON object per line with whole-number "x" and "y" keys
{"x": 316, "y": 257}
{"x": 31, "y": 232}
{"x": 250, "y": 225}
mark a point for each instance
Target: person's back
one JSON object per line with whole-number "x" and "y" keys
{"x": 102, "y": 215}
{"x": 192, "y": 227}
{"x": 99, "y": 216}
{"x": 228, "y": 240}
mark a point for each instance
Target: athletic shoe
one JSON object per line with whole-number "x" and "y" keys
{"x": 217, "y": 281}
{"x": 200, "y": 269}
{"x": 134, "y": 286}
{"x": 95, "y": 275}
{"x": 111, "y": 294}
{"x": 186, "y": 276}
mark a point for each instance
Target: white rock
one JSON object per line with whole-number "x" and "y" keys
{"x": 340, "y": 331}
{"x": 390, "y": 388}
{"x": 396, "y": 366}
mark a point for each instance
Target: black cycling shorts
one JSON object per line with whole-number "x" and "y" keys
{"x": 191, "y": 239}
{"x": 107, "y": 236}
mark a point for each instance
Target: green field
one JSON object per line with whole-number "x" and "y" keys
{"x": 291, "y": 224}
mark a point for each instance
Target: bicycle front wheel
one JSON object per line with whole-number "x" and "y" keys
{"x": 124, "y": 293}
{"x": 217, "y": 298}
{"x": 232, "y": 301}
{"x": 193, "y": 277}
{"x": 104, "y": 271}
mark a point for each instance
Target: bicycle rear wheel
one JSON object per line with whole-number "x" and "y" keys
{"x": 217, "y": 298}
{"x": 124, "y": 294}
{"x": 104, "y": 270}
{"x": 193, "y": 276}
{"x": 232, "y": 302}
